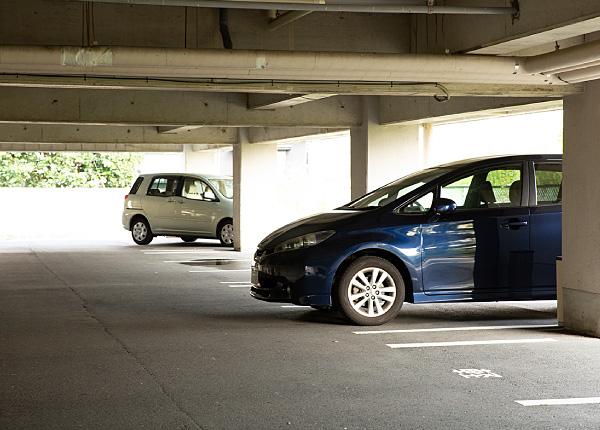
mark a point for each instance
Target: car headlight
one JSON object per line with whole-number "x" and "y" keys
{"x": 304, "y": 241}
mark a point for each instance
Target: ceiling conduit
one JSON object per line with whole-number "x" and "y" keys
{"x": 576, "y": 64}
{"x": 265, "y": 65}
{"x": 326, "y": 6}
{"x": 573, "y": 58}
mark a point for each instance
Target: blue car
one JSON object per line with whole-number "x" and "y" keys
{"x": 485, "y": 229}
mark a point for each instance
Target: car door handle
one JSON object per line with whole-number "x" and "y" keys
{"x": 173, "y": 199}
{"x": 513, "y": 224}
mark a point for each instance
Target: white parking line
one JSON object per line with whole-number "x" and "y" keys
{"x": 196, "y": 261}
{"x": 468, "y": 343}
{"x": 220, "y": 271}
{"x": 241, "y": 286}
{"x": 295, "y": 306}
{"x": 179, "y": 252}
{"x": 553, "y": 402}
{"x": 423, "y": 330}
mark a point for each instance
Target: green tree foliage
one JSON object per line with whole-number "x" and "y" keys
{"x": 68, "y": 170}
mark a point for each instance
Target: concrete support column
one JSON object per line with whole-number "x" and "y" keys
{"x": 254, "y": 187}
{"x": 427, "y": 139}
{"x": 581, "y": 206}
{"x": 381, "y": 153}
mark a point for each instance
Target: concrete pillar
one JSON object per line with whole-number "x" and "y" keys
{"x": 381, "y": 153}
{"x": 254, "y": 188}
{"x": 426, "y": 140}
{"x": 581, "y": 206}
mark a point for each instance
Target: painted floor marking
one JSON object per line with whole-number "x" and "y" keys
{"x": 424, "y": 330}
{"x": 476, "y": 373}
{"x": 196, "y": 261}
{"x": 553, "y": 402}
{"x": 468, "y": 343}
{"x": 295, "y": 306}
{"x": 241, "y": 286}
{"x": 220, "y": 271}
{"x": 178, "y": 252}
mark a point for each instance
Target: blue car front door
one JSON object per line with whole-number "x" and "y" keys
{"x": 482, "y": 249}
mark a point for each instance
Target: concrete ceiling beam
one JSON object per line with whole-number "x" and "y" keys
{"x": 400, "y": 110}
{"x": 166, "y": 108}
{"x": 106, "y": 134}
{"x": 275, "y": 101}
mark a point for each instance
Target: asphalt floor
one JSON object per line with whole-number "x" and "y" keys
{"x": 110, "y": 335}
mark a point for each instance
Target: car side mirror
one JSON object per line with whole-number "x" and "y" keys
{"x": 441, "y": 206}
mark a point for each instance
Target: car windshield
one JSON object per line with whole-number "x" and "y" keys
{"x": 393, "y": 191}
{"x": 225, "y": 186}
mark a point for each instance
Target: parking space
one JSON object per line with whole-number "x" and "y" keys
{"x": 113, "y": 335}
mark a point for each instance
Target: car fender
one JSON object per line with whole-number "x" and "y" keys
{"x": 406, "y": 251}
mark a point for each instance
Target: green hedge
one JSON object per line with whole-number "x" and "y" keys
{"x": 68, "y": 170}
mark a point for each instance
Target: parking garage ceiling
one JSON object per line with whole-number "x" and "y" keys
{"x": 117, "y": 74}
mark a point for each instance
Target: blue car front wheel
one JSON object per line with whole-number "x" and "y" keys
{"x": 370, "y": 291}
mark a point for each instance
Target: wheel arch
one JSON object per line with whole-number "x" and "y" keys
{"x": 382, "y": 253}
{"x": 137, "y": 217}
{"x": 221, "y": 222}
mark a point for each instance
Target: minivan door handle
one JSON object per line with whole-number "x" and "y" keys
{"x": 513, "y": 224}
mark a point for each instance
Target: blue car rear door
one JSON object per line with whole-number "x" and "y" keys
{"x": 546, "y": 225}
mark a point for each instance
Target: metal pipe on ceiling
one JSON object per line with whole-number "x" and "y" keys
{"x": 575, "y": 57}
{"x": 252, "y": 64}
{"x": 582, "y": 75}
{"x": 287, "y": 18}
{"x": 324, "y": 7}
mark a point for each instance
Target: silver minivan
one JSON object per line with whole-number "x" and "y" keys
{"x": 185, "y": 205}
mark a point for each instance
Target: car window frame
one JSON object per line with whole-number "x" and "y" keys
{"x": 398, "y": 209}
{"x": 177, "y": 192}
{"x": 136, "y": 185}
{"x": 532, "y": 180}
{"x": 525, "y": 180}
{"x": 205, "y": 182}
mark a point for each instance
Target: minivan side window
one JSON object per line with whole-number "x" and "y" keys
{"x": 163, "y": 187}
{"x": 548, "y": 183}
{"x": 491, "y": 187}
{"x": 197, "y": 189}
{"x": 136, "y": 185}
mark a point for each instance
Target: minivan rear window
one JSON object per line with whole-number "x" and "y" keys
{"x": 136, "y": 185}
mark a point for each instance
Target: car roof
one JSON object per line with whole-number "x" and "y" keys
{"x": 199, "y": 175}
{"x": 513, "y": 157}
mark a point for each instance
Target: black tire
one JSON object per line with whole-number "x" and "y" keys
{"x": 225, "y": 232}
{"x": 188, "y": 239}
{"x": 141, "y": 232}
{"x": 370, "y": 291}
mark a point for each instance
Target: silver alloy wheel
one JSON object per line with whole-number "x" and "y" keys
{"x": 226, "y": 234}
{"x": 139, "y": 231}
{"x": 372, "y": 292}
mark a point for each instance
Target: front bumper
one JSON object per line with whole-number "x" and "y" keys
{"x": 289, "y": 277}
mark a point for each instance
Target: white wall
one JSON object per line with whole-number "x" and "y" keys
{"x": 51, "y": 213}
{"x": 515, "y": 134}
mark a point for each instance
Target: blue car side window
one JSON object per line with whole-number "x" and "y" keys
{"x": 548, "y": 182}
{"x": 486, "y": 188}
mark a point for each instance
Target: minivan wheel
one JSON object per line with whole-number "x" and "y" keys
{"x": 140, "y": 232}
{"x": 225, "y": 232}
{"x": 370, "y": 291}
